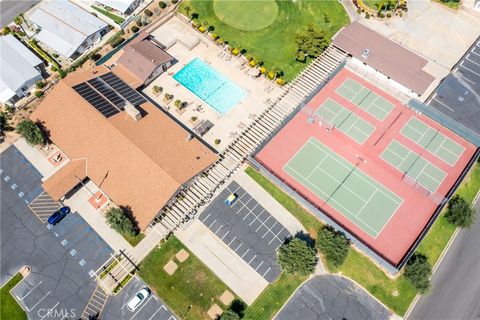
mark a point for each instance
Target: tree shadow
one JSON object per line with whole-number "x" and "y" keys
{"x": 305, "y": 237}
{"x": 239, "y": 307}
{"x": 127, "y": 210}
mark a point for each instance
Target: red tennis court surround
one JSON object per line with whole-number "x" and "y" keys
{"x": 401, "y": 231}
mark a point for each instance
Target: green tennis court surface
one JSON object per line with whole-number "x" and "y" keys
{"x": 413, "y": 165}
{"x": 343, "y": 186}
{"x": 346, "y": 121}
{"x": 432, "y": 140}
{"x": 365, "y": 99}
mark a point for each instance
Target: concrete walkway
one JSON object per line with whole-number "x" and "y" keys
{"x": 37, "y": 158}
{"x": 351, "y": 10}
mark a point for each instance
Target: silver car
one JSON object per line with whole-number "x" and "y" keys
{"x": 138, "y": 299}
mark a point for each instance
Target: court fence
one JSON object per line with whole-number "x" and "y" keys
{"x": 446, "y": 121}
{"x": 435, "y": 197}
{"x": 311, "y": 206}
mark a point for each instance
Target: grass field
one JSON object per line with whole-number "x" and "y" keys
{"x": 118, "y": 20}
{"x": 9, "y": 308}
{"x": 192, "y": 284}
{"x": 360, "y": 268}
{"x": 238, "y": 14}
{"x": 450, "y": 4}
{"x": 275, "y": 44}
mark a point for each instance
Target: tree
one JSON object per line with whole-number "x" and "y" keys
{"x": 333, "y": 245}
{"x": 188, "y": 10}
{"x": 119, "y": 221}
{"x": 418, "y": 271}
{"x": 311, "y": 41}
{"x": 29, "y": 130}
{"x": 297, "y": 256}
{"x": 229, "y": 315}
{"x": 460, "y": 212}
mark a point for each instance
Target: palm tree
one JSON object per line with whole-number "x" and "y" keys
{"x": 18, "y": 21}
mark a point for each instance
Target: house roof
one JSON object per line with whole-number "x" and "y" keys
{"x": 120, "y": 5}
{"x": 17, "y": 66}
{"x": 66, "y": 178}
{"x": 140, "y": 164}
{"x": 386, "y": 56}
{"x": 64, "y": 26}
{"x": 142, "y": 58}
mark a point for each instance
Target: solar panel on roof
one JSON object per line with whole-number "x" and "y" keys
{"x": 123, "y": 89}
{"x": 107, "y": 92}
{"x": 96, "y": 100}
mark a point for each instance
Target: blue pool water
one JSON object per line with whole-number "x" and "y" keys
{"x": 209, "y": 85}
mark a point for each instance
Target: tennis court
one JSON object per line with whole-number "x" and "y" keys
{"x": 432, "y": 140}
{"x": 365, "y": 99}
{"x": 342, "y": 185}
{"x": 412, "y": 164}
{"x": 345, "y": 120}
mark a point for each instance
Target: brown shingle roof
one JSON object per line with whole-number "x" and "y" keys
{"x": 138, "y": 164}
{"x": 142, "y": 58}
{"x": 66, "y": 178}
{"x": 386, "y": 56}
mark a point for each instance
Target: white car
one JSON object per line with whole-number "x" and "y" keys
{"x": 139, "y": 298}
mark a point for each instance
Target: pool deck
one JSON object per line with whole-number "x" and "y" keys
{"x": 227, "y": 125}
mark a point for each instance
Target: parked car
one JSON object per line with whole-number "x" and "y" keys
{"x": 58, "y": 215}
{"x": 231, "y": 199}
{"x": 138, "y": 299}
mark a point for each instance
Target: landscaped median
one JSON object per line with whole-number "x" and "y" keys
{"x": 9, "y": 308}
{"x": 397, "y": 294}
{"x": 189, "y": 287}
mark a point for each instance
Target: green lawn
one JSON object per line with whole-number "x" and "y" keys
{"x": 275, "y": 44}
{"x": 274, "y": 297}
{"x": 359, "y": 267}
{"x": 118, "y": 20}
{"x": 133, "y": 240}
{"x": 450, "y": 4}
{"x": 9, "y": 307}
{"x": 192, "y": 284}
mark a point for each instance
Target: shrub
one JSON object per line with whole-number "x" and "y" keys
{"x": 135, "y": 29}
{"x": 202, "y": 29}
{"x": 271, "y": 74}
{"x": 312, "y": 41}
{"x": 300, "y": 56}
{"x": 148, "y": 13}
{"x": 460, "y": 212}
{"x": 174, "y": 1}
{"x": 40, "y": 84}
{"x": 418, "y": 272}
{"x": 280, "y": 81}
{"x": 6, "y": 30}
{"x": 38, "y": 94}
{"x": 249, "y": 58}
{"x": 55, "y": 55}
{"x": 138, "y": 23}
{"x": 62, "y": 73}
{"x": 263, "y": 70}
{"x": 156, "y": 89}
{"x": 177, "y": 103}
{"x": 229, "y": 315}
{"x": 53, "y": 68}
{"x": 235, "y": 51}
{"x": 162, "y": 4}
{"x": 333, "y": 245}
{"x": 168, "y": 96}
{"x": 194, "y": 118}
{"x": 359, "y": 11}
{"x": 119, "y": 221}
{"x": 117, "y": 42}
{"x": 296, "y": 256}
{"x": 252, "y": 63}
{"x": 220, "y": 41}
{"x": 389, "y": 15}
{"x": 32, "y": 134}
{"x": 210, "y": 28}
{"x": 367, "y": 15}
{"x": 10, "y": 109}
{"x": 217, "y": 141}
{"x": 214, "y": 36}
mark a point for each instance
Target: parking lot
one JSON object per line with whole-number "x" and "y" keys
{"x": 63, "y": 258}
{"x": 152, "y": 308}
{"x": 458, "y": 96}
{"x": 248, "y": 229}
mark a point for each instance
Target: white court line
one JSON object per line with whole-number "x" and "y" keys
{"x": 34, "y": 287}
{"x": 144, "y": 304}
{"x": 49, "y": 311}
{"x": 162, "y": 307}
{"x": 36, "y": 304}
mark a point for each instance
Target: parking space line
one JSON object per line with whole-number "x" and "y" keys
{"x": 146, "y": 302}
{"x": 461, "y": 64}
{"x": 206, "y": 218}
{"x": 241, "y": 243}
{"x": 443, "y": 104}
{"x": 211, "y": 224}
{"x": 161, "y": 307}
{"x": 225, "y": 234}
{"x": 34, "y": 287}
{"x": 219, "y": 229}
{"x": 259, "y": 265}
{"x": 49, "y": 311}
{"x": 478, "y": 64}
{"x": 248, "y": 249}
{"x": 232, "y": 240}
{"x": 36, "y": 304}
{"x": 252, "y": 259}
{"x": 266, "y": 271}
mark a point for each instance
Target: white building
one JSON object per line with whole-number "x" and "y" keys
{"x": 20, "y": 69}
{"x": 122, "y": 6}
{"x": 66, "y": 28}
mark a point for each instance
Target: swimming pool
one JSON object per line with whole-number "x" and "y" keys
{"x": 209, "y": 85}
